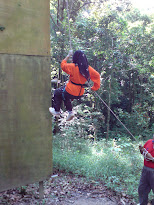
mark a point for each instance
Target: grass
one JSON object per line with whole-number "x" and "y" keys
{"x": 117, "y": 163}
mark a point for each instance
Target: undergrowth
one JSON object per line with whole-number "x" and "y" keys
{"x": 117, "y": 163}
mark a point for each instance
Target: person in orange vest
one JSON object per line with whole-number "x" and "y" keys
{"x": 147, "y": 177}
{"x": 79, "y": 72}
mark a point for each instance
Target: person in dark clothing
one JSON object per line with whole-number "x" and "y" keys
{"x": 147, "y": 177}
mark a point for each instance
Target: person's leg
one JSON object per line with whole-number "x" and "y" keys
{"x": 67, "y": 101}
{"x": 151, "y": 181}
{"x": 56, "y": 102}
{"x": 144, "y": 187}
{"x": 58, "y": 98}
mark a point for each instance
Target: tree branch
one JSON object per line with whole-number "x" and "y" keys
{"x": 85, "y": 5}
{"x": 55, "y": 23}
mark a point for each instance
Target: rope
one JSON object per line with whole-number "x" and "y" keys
{"x": 113, "y": 113}
{"x": 88, "y": 82}
{"x": 68, "y": 15}
{"x": 145, "y": 152}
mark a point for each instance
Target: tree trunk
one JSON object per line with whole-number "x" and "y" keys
{"x": 108, "y": 112}
{"x": 141, "y": 89}
{"x": 130, "y": 99}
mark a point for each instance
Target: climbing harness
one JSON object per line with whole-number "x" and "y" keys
{"x": 82, "y": 85}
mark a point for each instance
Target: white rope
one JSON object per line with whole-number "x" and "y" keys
{"x": 145, "y": 152}
{"x": 68, "y": 15}
{"x": 113, "y": 113}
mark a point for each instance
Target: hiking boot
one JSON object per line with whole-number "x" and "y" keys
{"x": 54, "y": 112}
{"x": 70, "y": 116}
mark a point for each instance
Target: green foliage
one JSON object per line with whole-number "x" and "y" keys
{"x": 138, "y": 120}
{"x": 85, "y": 125}
{"x": 118, "y": 41}
{"x": 118, "y": 163}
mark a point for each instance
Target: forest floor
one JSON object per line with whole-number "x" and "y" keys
{"x": 65, "y": 189}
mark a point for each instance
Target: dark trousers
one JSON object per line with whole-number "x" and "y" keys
{"x": 60, "y": 95}
{"x": 146, "y": 185}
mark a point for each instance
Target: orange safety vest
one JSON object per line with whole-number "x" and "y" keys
{"x": 75, "y": 76}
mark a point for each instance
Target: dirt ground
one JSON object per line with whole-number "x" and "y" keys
{"x": 65, "y": 190}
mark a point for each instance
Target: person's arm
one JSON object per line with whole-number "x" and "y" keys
{"x": 66, "y": 67}
{"x": 70, "y": 53}
{"x": 146, "y": 154}
{"x": 95, "y": 77}
{"x": 66, "y": 59}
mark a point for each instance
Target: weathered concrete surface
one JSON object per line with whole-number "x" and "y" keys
{"x": 24, "y": 27}
{"x": 25, "y": 128}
